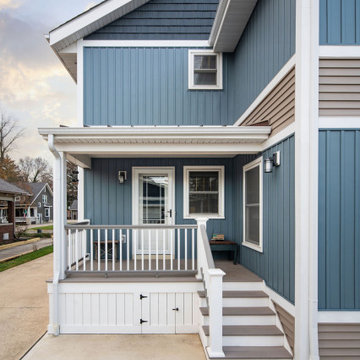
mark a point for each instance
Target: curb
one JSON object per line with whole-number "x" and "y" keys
{"x": 15, "y": 256}
{"x": 18, "y": 243}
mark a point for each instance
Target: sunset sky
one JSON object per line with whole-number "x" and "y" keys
{"x": 34, "y": 86}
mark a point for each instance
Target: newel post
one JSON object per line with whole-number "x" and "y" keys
{"x": 215, "y": 312}
{"x": 200, "y": 246}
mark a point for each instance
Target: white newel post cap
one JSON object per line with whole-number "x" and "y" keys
{"x": 202, "y": 221}
{"x": 216, "y": 273}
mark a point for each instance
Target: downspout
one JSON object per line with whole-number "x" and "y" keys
{"x": 57, "y": 250}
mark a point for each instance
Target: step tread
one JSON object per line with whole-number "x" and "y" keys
{"x": 255, "y": 352}
{"x": 232, "y": 311}
{"x": 247, "y": 330}
{"x": 238, "y": 294}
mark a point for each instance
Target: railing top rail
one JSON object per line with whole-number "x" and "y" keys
{"x": 208, "y": 253}
{"x": 134, "y": 227}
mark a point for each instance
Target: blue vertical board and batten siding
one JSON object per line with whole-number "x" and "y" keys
{"x": 339, "y": 220}
{"x": 163, "y": 20}
{"x": 149, "y": 86}
{"x": 276, "y": 264}
{"x": 339, "y": 22}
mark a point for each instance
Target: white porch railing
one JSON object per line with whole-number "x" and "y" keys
{"x": 213, "y": 284}
{"x": 129, "y": 248}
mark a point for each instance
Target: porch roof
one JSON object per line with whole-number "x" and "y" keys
{"x": 82, "y": 143}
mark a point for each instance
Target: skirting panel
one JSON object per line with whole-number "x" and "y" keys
{"x": 123, "y": 308}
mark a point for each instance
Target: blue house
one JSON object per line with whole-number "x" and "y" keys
{"x": 232, "y": 119}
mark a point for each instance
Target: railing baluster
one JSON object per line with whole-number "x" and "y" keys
{"x": 120, "y": 248}
{"x": 135, "y": 246}
{"x": 91, "y": 250}
{"x": 69, "y": 250}
{"x": 113, "y": 249}
{"x": 178, "y": 246}
{"x": 164, "y": 253}
{"x": 149, "y": 245}
{"x": 157, "y": 248}
{"x": 76, "y": 250}
{"x": 171, "y": 249}
{"x": 106, "y": 249}
{"x": 192, "y": 249}
{"x": 127, "y": 249}
{"x": 142, "y": 249}
{"x": 83, "y": 244}
{"x": 185, "y": 253}
{"x": 98, "y": 249}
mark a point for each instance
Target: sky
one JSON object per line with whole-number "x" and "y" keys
{"x": 35, "y": 88}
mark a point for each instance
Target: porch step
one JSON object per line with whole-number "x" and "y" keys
{"x": 241, "y": 311}
{"x": 238, "y": 294}
{"x": 247, "y": 330}
{"x": 255, "y": 352}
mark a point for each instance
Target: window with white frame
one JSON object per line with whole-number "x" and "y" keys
{"x": 203, "y": 191}
{"x": 47, "y": 212}
{"x": 44, "y": 199}
{"x": 252, "y": 193}
{"x": 205, "y": 70}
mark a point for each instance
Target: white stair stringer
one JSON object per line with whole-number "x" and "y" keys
{"x": 251, "y": 326}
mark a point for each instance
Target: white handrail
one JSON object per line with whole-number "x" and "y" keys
{"x": 213, "y": 284}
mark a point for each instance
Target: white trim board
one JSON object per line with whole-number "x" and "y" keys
{"x": 280, "y": 136}
{"x": 339, "y": 122}
{"x": 269, "y": 87}
{"x": 339, "y": 51}
{"x": 275, "y": 297}
{"x": 345, "y": 317}
{"x": 147, "y": 43}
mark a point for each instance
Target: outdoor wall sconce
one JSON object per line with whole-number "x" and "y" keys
{"x": 272, "y": 161}
{"x": 122, "y": 176}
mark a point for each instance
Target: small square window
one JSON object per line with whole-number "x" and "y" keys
{"x": 252, "y": 193}
{"x": 205, "y": 70}
{"x": 203, "y": 191}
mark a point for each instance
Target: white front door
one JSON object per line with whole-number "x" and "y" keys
{"x": 153, "y": 204}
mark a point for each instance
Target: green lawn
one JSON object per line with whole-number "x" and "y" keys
{"x": 46, "y": 227}
{"x": 26, "y": 258}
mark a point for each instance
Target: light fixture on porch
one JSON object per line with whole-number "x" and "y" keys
{"x": 272, "y": 161}
{"x": 122, "y": 176}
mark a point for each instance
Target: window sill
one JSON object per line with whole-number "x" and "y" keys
{"x": 205, "y": 87}
{"x": 252, "y": 246}
{"x": 201, "y": 216}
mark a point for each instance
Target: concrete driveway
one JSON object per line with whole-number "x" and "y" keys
{"x": 23, "y": 306}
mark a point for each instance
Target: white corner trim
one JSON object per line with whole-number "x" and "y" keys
{"x": 339, "y": 122}
{"x": 258, "y": 162}
{"x": 80, "y": 83}
{"x": 219, "y": 70}
{"x": 275, "y": 297}
{"x": 147, "y": 43}
{"x": 281, "y": 135}
{"x": 81, "y": 194}
{"x": 345, "y": 317}
{"x": 221, "y": 206}
{"x": 339, "y": 51}
{"x": 269, "y": 87}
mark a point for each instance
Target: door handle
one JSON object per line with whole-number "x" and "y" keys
{"x": 176, "y": 309}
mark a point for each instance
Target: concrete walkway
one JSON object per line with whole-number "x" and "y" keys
{"x": 124, "y": 347}
{"x": 21, "y": 249}
{"x": 23, "y": 306}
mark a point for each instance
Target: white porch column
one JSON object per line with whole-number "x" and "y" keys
{"x": 199, "y": 246}
{"x": 215, "y": 313}
{"x": 306, "y": 178}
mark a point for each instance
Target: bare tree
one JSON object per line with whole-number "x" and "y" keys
{"x": 9, "y": 133}
{"x": 35, "y": 170}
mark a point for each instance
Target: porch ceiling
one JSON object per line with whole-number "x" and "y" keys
{"x": 151, "y": 141}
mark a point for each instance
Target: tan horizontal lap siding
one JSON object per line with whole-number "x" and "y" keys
{"x": 278, "y": 108}
{"x": 339, "y": 87}
{"x": 288, "y": 324}
{"x": 339, "y": 341}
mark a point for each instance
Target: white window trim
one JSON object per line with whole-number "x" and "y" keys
{"x": 44, "y": 198}
{"x": 247, "y": 167}
{"x": 219, "y": 72}
{"x": 221, "y": 207}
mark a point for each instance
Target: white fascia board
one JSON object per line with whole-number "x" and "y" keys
{"x": 269, "y": 87}
{"x": 219, "y": 19}
{"x": 339, "y": 51}
{"x": 341, "y": 317}
{"x": 339, "y": 122}
{"x": 90, "y": 17}
{"x": 147, "y": 43}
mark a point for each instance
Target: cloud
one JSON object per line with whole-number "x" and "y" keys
{"x": 9, "y": 4}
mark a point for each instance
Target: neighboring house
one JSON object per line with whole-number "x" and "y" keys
{"x": 8, "y": 193}
{"x": 196, "y": 118}
{"x": 36, "y": 208}
{"x": 73, "y": 211}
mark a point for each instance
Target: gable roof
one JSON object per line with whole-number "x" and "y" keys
{"x": 74, "y": 205}
{"x": 33, "y": 191}
{"x": 7, "y": 188}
